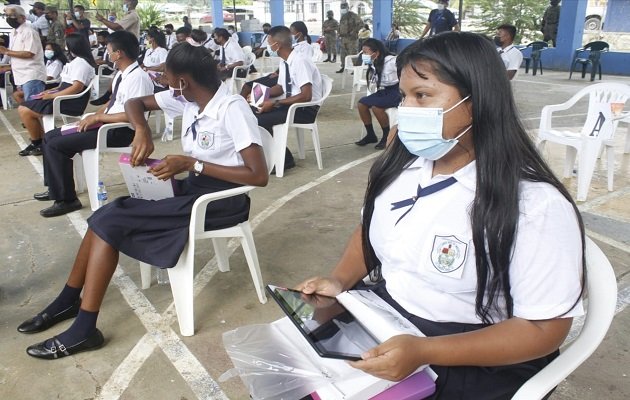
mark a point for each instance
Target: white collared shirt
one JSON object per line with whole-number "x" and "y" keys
{"x": 224, "y": 127}
{"x": 54, "y": 68}
{"x": 512, "y": 57}
{"x": 302, "y": 71}
{"x": 25, "y": 38}
{"x": 135, "y": 83}
{"x": 305, "y": 48}
{"x": 389, "y": 75}
{"x": 155, "y": 57}
{"x": 77, "y": 70}
{"x": 40, "y": 24}
{"x": 233, "y": 52}
{"x": 428, "y": 257}
{"x": 171, "y": 40}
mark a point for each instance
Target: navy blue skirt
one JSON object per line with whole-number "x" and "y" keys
{"x": 74, "y": 107}
{"x": 156, "y": 231}
{"x": 387, "y": 97}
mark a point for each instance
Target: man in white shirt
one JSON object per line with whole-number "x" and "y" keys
{"x": 511, "y": 56}
{"x": 130, "y": 22}
{"x": 231, "y": 55}
{"x": 299, "y": 81}
{"x": 27, "y": 55}
{"x": 171, "y": 38}
{"x": 129, "y": 82}
{"x": 38, "y": 19}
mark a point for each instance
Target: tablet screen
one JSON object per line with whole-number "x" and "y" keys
{"x": 325, "y": 323}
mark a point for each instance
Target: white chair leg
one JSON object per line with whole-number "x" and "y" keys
{"x": 354, "y": 96}
{"x": 181, "y": 278}
{"x": 91, "y": 170}
{"x": 280, "y": 133}
{"x": 249, "y": 248}
{"x": 145, "y": 275}
{"x": 343, "y": 80}
{"x": 586, "y": 167}
{"x": 610, "y": 154}
{"x": 626, "y": 149}
{"x": 221, "y": 253}
{"x": 300, "y": 140}
{"x": 317, "y": 146}
{"x": 48, "y": 122}
{"x": 79, "y": 173}
{"x": 569, "y": 161}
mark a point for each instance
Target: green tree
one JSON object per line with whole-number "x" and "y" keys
{"x": 410, "y": 16}
{"x": 150, "y": 15}
{"x": 524, "y": 14}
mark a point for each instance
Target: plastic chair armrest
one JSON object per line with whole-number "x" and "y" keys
{"x": 101, "y": 141}
{"x": 198, "y": 212}
{"x": 57, "y": 100}
{"x": 294, "y": 107}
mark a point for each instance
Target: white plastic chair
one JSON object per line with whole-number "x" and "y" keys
{"x": 237, "y": 83}
{"x": 48, "y": 121}
{"x": 349, "y": 68}
{"x": 392, "y": 115}
{"x": 4, "y": 92}
{"x": 247, "y": 49}
{"x": 281, "y": 131}
{"x": 267, "y": 64}
{"x": 602, "y": 299}
{"x": 317, "y": 53}
{"x": 358, "y": 80}
{"x": 96, "y": 87}
{"x": 588, "y": 146}
{"x": 626, "y": 149}
{"x": 181, "y": 276}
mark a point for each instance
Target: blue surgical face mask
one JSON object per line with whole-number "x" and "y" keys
{"x": 272, "y": 53}
{"x": 367, "y": 59}
{"x": 420, "y": 131}
{"x": 49, "y": 54}
{"x": 294, "y": 40}
{"x": 179, "y": 97}
{"x": 111, "y": 18}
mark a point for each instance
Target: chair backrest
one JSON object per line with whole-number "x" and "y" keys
{"x": 602, "y": 299}
{"x": 597, "y": 46}
{"x": 247, "y": 49}
{"x": 249, "y": 59}
{"x": 348, "y": 63}
{"x": 606, "y": 93}
{"x": 268, "y": 147}
{"x": 326, "y": 86}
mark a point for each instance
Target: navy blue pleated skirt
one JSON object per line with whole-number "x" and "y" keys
{"x": 387, "y": 97}
{"x": 156, "y": 231}
{"x": 73, "y": 107}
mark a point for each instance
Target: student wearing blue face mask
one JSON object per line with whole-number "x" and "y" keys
{"x": 382, "y": 81}
{"x": 465, "y": 228}
{"x": 301, "y": 39}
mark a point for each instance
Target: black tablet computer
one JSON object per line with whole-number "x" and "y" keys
{"x": 327, "y": 325}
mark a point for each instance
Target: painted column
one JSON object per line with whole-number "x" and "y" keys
{"x": 617, "y": 12}
{"x": 570, "y": 32}
{"x": 276, "y": 8}
{"x": 382, "y": 11}
{"x": 217, "y": 13}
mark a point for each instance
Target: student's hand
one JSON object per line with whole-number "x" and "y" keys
{"x": 318, "y": 285}
{"x": 48, "y": 96}
{"x": 394, "y": 360}
{"x": 86, "y": 122}
{"x": 266, "y": 106}
{"x": 3, "y": 50}
{"x": 141, "y": 146}
{"x": 172, "y": 165}
{"x": 273, "y": 75}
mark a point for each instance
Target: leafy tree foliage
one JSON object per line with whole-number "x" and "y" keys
{"x": 525, "y": 15}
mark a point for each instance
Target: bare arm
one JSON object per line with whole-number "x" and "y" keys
{"x": 111, "y": 25}
{"x": 142, "y": 145}
{"x": 426, "y": 29}
{"x": 16, "y": 54}
{"x": 511, "y": 73}
{"x": 75, "y": 88}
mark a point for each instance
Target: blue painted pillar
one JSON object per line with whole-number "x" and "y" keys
{"x": 570, "y": 32}
{"x": 276, "y": 8}
{"x": 382, "y": 11}
{"x": 217, "y": 13}
{"x": 617, "y": 12}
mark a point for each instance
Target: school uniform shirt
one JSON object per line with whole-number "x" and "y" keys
{"x": 302, "y": 71}
{"x": 264, "y": 42}
{"x": 305, "y": 48}
{"x": 155, "y": 57}
{"x": 428, "y": 256}
{"x": 25, "y": 38}
{"x": 233, "y": 52}
{"x": 235, "y": 37}
{"x": 77, "y": 70}
{"x": 54, "y": 68}
{"x": 40, "y": 23}
{"x": 389, "y": 75}
{"x": 224, "y": 127}
{"x": 131, "y": 22}
{"x": 135, "y": 83}
{"x": 512, "y": 57}
{"x": 171, "y": 40}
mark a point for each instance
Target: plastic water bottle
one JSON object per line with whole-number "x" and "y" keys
{"x": 162, "y": 276}
{"x": 101, "y": 193}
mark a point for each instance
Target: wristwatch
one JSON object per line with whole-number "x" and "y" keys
{"x": 198, "y": 167}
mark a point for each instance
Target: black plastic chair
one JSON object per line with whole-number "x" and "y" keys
{"x": 595, "y": 50}
{"x": 534, "y": 57}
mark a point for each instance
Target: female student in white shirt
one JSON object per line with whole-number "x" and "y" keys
{"x": 76, "y": 75}
{"x": 301, "y": 39}
{"x": 155, "y": 55}
{"x": 382, "y": 79}
{"x": 55, "y": 61}
{"x": 476, "y": 241}
{"x": 220, "y": 152}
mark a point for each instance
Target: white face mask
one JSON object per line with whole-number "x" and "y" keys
{"x": 77, "y": 14}
{"x": 420, "y": 131}
{"x": 125, "y": 8}
{"x": 344, "y": 11}
{"x": 440, "y": 6}
{"x": 69, "y": 22}
{"x": 49, "y": 54}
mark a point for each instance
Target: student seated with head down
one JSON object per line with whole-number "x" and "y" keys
{"x": 220, "y": 152}
{"x": 76, "y": 75}
{"x": 130, "y": 81}
{"x": 471, "y": 236}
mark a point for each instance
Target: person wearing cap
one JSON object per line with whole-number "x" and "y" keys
{"x": 440, "y": 20}
{"x": 130, "y": 22}
{"x": 37, "y": 16}
{"x": 330, "y": 28}
{"x": 56, "y": 30}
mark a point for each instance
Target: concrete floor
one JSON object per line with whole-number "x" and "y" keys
{"x": 301, "y": 223}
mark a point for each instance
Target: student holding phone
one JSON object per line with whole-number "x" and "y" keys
{"x": 472, "y": 237}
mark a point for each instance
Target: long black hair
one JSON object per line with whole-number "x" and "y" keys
{"x": 158, "y": 36}
{"x": 300, "y": 26}
{"x": 376, "y": 46}
{"x": 197, "y": 61}
{"x": 79, "y": 46}
{"x": 505, "y": 156}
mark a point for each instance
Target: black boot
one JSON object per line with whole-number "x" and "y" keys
{"x": 370, "y": 136}
{"x": 341, "y": 70}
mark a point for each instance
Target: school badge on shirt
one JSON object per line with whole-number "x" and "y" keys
{"x": 205, "y": 140}
{"x": 448, "y": 255}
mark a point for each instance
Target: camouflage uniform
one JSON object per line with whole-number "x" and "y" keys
{"x": 549, "y": 25}
{"x": 330, "y": 28}
{"x": 349, "y": 26}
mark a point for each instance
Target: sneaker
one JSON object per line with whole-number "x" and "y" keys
{"x": 31, "y": 150}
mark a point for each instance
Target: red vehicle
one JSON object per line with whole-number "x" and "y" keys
{"x": 207, "y": 19}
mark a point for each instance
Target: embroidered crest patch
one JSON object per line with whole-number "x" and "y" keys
{"x": 448, "y": 254}
{"x": 205, "y": 140}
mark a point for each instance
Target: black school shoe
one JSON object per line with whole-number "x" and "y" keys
{"x": 61, "y": 208}
{"x": 43, "y": 321}
{"x": 59, "y": 350}
{"x": 31, "y": 150}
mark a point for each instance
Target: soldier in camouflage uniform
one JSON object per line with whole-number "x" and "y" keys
{"x": 349, "y": 26}
{"x": 329, "y": 29}
{"x": 549, "y": 24}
